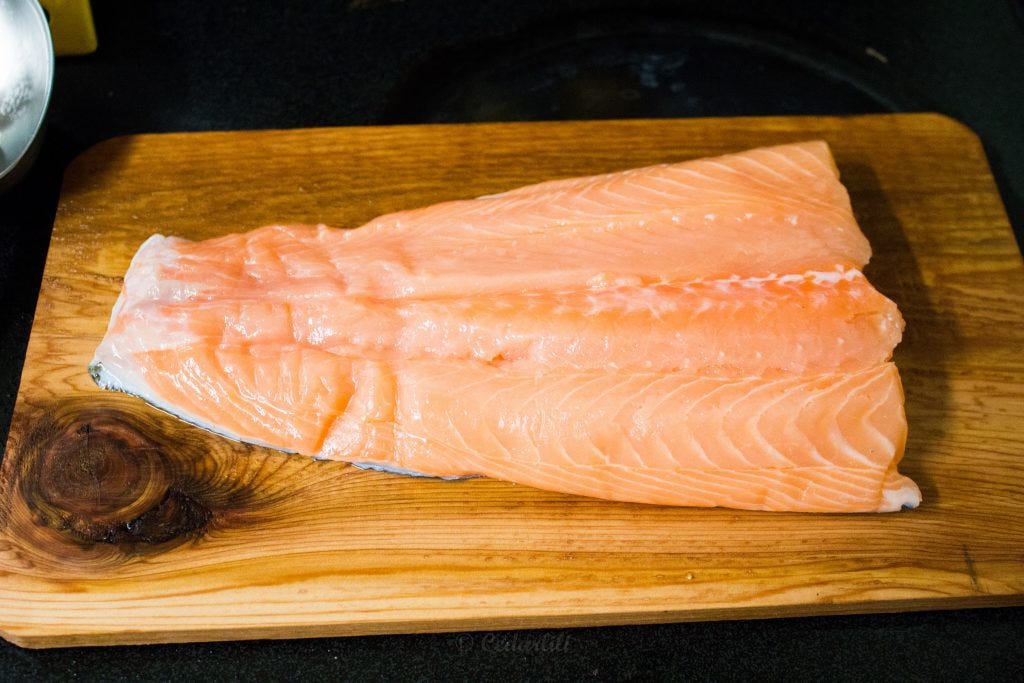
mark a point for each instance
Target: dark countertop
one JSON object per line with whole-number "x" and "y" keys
{"x": 190, "y": 65}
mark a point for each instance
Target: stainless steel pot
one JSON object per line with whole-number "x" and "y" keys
{"x": 26, "y": 79}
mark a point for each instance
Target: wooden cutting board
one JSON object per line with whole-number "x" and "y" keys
{"x": 120, "y": 524}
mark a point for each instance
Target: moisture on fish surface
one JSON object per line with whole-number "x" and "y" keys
{"x": 697, "y": 333}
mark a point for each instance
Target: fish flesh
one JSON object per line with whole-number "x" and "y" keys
{"x": 697, "y": 333}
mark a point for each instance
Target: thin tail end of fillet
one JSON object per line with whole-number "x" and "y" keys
{"x": 899, "y": 492}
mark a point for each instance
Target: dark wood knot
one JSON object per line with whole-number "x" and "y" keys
{"x": 102, "y": 480}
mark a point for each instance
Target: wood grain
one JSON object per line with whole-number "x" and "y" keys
{"x": 120, "y": 524}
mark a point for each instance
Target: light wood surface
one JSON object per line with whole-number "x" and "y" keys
{"x": 120, "y": 524}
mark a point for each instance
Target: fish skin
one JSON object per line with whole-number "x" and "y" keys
{"x": 685, "y": 334}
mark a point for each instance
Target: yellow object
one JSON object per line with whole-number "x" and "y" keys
{"x": 71, "y": 26}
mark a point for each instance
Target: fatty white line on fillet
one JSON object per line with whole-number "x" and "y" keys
{"x": 692, "y": 439}
{"x": 738, "y": 406}
{"x": 752, "y": 425}
{"x": 828, "y": 169}
{"x": 631, "y": 417}
{"x": 884, "y": 443}
{"x": 702, "y": 436}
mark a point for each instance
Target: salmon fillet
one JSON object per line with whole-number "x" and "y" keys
{"x": 697, "y": 333}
